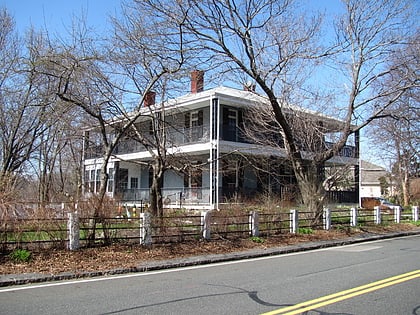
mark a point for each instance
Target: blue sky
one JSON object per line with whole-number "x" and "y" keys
{"x": 57, "y": 15}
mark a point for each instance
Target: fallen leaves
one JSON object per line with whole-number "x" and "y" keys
{"x": 54, "y": 261}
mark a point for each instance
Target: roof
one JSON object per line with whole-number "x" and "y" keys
{"x": 241, "y": 98}
{"x": 370, "y": 173}
{"x": 231, "y": 96}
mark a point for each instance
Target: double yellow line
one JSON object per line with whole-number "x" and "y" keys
{"x": 344, "y": 295}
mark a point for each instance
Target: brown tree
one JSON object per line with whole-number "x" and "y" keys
{"x": 272, "y": 44}
{"x": 111, "y": 81}
{"x": 24, "y": 103}
{"x": 396, "y": 136}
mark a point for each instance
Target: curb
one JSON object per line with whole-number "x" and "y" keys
{"x": 20, "y": 279}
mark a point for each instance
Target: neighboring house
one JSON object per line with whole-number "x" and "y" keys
{"x": 370, "y": 184}
{"x": 204, "y": 126}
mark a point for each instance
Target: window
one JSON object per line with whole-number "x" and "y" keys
{"x": 232, "y": 118}
{"x": 156, "y": 123}
{"x": 134, "y": 183}
{"x": 98, "y": 180}
{"x": 122, "y": 179}
{"x": 111, "y": 180}
{"x": 92, "y": 181}
{"x": 194, "y": 125}
{"x": 87, "y": 181}
{"x": 194, "y": 181}
{"x": 230, "y": 124}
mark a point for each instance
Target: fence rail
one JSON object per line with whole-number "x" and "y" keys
{"x": 75, "y": 232}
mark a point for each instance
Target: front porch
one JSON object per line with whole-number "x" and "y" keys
{"x": 175, "y": 197}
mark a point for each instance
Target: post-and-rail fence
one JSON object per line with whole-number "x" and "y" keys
{"x": 72, "y": 231}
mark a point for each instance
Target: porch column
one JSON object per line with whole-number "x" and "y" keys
{"x": 214, "y": 153}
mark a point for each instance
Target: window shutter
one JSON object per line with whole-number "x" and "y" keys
{"x": 200, "y": 118}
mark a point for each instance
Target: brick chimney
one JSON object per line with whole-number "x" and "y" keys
{"x": 149, "y": 98}
{"x": 197, "y": 81}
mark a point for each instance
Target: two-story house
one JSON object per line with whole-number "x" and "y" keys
{"x": 204, "y": 129}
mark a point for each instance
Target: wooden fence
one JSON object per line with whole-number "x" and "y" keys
{"x": 75, "y": 232}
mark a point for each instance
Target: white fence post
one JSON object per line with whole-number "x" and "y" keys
{"x": 415, "y": 210}
{"x": 294, "y": 221}
{"x": 377, "y": 214}
{"x": 73, "y": 231}
{"x": 253, "y": 223}
{"x": 205, "y": 224}
{"x": 145, "y": 228}
{"x": 397, "y": 214}
{"x": 327, "y": 219}
{"x": 353, "y": 217}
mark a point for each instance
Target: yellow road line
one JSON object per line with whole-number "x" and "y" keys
{"x": 343, "y": 295}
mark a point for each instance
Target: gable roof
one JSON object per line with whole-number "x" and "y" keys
{"x": 370, "y": 173}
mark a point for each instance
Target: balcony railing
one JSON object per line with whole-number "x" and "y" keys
{"x": 175, "y": 137}
{"x": 346, "y": 151}
{"x": 198, "y": 134}
{"x": 93, "y": 151}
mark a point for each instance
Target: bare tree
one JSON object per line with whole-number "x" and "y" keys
{"x": 270, "y": 43}
{"x": 23, "y": 102}
{"x": 397, "y": 136}
{"x": 110, "y": 83}
{"x": 57, "y": 162}
{"x": 150, "y": 55}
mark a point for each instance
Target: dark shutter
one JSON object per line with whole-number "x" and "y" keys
{"x": 200, "y": 118}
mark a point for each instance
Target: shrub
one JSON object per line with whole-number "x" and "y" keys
{"x": 257, "y": 239}
{"x": 305, "y": 231}
{"x": 20, "y": 255}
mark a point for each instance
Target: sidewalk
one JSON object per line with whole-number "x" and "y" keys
{"x": 18, "y": 279}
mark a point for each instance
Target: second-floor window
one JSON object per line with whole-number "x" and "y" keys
{"x": 230, "y": 124}
{"x": 194, "y": 126}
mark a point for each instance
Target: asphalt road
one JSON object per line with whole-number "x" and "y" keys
{"x": 381, "y": 277}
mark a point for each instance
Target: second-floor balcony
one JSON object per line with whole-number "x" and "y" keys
{"x": 174, "y": 138}
{"x": 347, "y": 151}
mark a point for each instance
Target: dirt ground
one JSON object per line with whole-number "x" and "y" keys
{"x": 54, "y": 261}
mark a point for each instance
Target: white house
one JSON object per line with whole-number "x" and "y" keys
{"x": 370, "y": 184}
{"x": 204, "y": 127}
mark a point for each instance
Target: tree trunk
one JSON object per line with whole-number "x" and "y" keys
{"x": 98, "y": 206}
{"x": 406, "y": 188}
{"x": 310, "y": 182}
{"x": 156, "y": 200}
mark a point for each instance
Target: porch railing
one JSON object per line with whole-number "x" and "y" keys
{"x": 175, "y": 196}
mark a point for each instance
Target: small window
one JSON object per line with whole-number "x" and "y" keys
{"x": 92, "y": 181}
{"x": 98, "y": 180}
{"x": 111, "y": 180}
{"x": 122, "y": 178}
{"x": 134, "y": 183}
